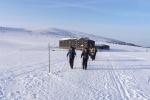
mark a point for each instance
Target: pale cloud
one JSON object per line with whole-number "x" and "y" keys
{"x": 59, "y": 3}
{"x": 112, "y": 7}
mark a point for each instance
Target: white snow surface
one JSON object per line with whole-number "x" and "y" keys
{"x": 123, "y": 73}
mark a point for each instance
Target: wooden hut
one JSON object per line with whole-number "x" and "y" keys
{"x": 102, "y": 47}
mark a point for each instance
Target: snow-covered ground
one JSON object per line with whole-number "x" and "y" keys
{"x": 123, "y": 73}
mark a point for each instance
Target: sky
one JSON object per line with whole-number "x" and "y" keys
{"x": 126, "y": 20}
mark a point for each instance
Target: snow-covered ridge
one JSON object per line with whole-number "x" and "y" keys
{"x": 60, "y": 33}
{"x": 11, "y": 29}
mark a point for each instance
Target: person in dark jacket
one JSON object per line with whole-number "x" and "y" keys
{"x": 93, "y": 52}
{"x": 71, "y": 53}
{"x": 85, "y": 57}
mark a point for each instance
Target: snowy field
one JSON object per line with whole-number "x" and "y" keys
{"x": 123, "y": 73}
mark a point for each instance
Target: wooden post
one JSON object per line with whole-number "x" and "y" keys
{"x": 49, "y": 56}
{"x": 49, "y": 71}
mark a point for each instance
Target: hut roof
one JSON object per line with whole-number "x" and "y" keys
{"x": 86, "y": 39}
{"x": 68, "y": 39}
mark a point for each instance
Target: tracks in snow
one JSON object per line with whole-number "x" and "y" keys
{"x": 126, "y": 83}
{"x": 116, "y": 84}
{"x": 119, "y": 86}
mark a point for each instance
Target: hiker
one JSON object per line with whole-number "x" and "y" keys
{"x": 85, "y": 57}
{"x": 93, "y": 52}
{"x": 71, "y": 53}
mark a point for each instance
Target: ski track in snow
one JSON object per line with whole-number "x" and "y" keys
{"x": 119, "y": 86}
{"x": 127, "y": 85}
{"x": 116, "y": 85}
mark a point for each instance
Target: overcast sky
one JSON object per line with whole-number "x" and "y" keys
{"x": 127, "y": 20}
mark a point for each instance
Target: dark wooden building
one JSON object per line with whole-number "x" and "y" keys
{"x": 77, "y": 43}
{"x": 102, "y": 47}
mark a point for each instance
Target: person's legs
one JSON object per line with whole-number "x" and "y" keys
{"x": 86, "y": 61}
{"x": 94, "y": 56}
{"x": 83, "y": 63}
{"x": 71, "y": 63}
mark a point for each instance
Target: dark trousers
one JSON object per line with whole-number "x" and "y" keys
{"x": 94, "y": 56}
{"x": 71, "y": 61}
{"x": 84, "y": 63}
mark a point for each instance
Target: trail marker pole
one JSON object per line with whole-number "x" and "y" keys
{"x": 49, "y": 57}
{"x": 49, "y": 71}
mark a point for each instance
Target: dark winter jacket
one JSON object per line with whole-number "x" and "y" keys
{"x": 71, "y": 53}
{"x": 85, "y": 55}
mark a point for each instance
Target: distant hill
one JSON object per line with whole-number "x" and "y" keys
{"x": 11, "y": 29}
{"x": 61, "y": 33}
